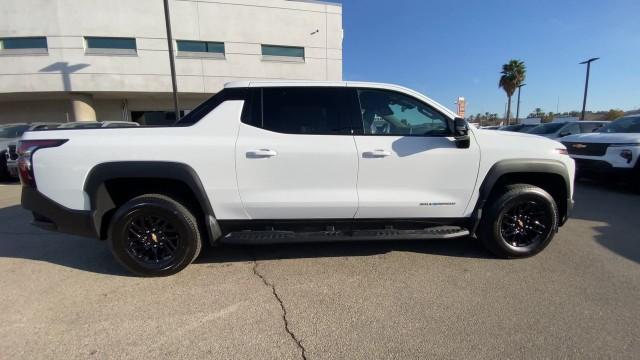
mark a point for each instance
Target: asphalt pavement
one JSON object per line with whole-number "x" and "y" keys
{"x": 64, "y": 297}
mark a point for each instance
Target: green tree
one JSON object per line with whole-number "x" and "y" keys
{"x": 539, "y": 113}
{"x": 549, "y": 117}
{"x": 512, "y": 75}
{"x": 614, "y": 114}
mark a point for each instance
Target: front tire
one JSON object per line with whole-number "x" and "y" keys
{"x": 520, "y": 222}
{"x": 154, "y": 235}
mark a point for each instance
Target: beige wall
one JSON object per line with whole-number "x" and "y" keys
{"x": 32, "y": 111}
{"x": 242, "y": 24}
{"x": 61, "y": 110}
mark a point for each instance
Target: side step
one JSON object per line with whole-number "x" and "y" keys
{"x": 279, "y": 237}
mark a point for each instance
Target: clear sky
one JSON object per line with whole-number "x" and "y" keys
{"x": 451, "y": 48}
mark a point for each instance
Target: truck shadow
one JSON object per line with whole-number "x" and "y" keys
{"x": 20, "y": 240}
{"x": 464, "y": 247}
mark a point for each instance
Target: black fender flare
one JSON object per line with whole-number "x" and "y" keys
{"x": 101, "y": 202}
{"x": 511, "y": 166}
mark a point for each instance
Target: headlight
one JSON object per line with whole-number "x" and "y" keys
{"x": 627, "y": 155}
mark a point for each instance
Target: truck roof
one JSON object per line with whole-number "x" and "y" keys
{"x": 359, "y": 84}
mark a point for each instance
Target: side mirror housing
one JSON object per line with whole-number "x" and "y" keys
{"x": 461, "y": 133}
{"x": 563, "y": 134}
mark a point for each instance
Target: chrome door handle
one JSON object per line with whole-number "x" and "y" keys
{"x": 379, "y": 153}
{"x": 262, "y": 153}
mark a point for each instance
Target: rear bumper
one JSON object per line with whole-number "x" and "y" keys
{"x": 49, "y": 215}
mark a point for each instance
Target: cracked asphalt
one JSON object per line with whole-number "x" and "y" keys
{"x": 64, "y": 297}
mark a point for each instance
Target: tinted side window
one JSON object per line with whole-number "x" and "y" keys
{"x": 311, "y": 111}
{"x": 587, "y": 128}
{"x": 571, "y": 129}
{"x": 391, "y": 113}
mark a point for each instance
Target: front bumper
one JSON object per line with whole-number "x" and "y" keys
{"x": 601, "y": 167}
{"x": 49, "y": 215}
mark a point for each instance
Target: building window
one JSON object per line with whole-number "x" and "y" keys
{"x": 201, "y": 49}
{"x": 110, "y": 46}
{"x": 23, "y": 46}
{"x": 282, "y": 53}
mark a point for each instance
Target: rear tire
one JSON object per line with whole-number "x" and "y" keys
{"x": 520, "y": 222}
{"x": 154, "y": 235}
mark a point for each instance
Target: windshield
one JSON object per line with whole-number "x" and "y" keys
{"x": 546, "y": 128}
{"x": 623, "y": 125}
{"x": 11, "y": 132}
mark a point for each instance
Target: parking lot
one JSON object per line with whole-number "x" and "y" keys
{"x": 65, "y": 297}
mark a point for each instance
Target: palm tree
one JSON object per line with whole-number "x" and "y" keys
{"x": 538, "y": 111}
{"x": 513, "y": 75}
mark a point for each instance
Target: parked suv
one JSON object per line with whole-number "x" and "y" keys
{"x": 613, "y": 150}
{"x": 561, "y": 129}
{"x": 9, "y": 135}
{"x": 266, "y": 162}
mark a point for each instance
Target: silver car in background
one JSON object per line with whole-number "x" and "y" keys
{"x": 559, "y": 130}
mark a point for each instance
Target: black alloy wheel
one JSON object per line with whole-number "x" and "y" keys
{"x": 519, "y": 222}
{"x": 154, "y": 235}
{"x": 152, "y": 240}
{"x": 525, "y": 223}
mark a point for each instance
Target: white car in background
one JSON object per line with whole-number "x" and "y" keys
{"x": 613, "y": 150}
{"x": 559, "y": 130}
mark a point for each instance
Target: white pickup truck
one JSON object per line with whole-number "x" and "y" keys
{"x": 266, "y": 162}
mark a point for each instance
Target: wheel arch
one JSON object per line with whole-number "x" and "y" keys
{"x": 109, "y": 184}
{"x": 550, "y": 175}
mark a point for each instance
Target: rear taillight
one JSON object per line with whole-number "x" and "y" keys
{"x": 26, "y": 149}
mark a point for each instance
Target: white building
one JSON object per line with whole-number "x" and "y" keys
{"x": 85, "y": 60}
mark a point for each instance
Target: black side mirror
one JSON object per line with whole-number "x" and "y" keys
{"x": 563, "y": 134}
{"x": 461, "y": 133}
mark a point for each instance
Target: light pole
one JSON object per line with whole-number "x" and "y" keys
{"x": 586, "y": 85}
{"x": 518, "y": 107}
{"x": 167, "y": 19}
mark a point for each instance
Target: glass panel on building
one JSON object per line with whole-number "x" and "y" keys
{"x": 111, "y": 43}
{"x": 282, "y": 52}
{"x": 23, "y": 43}
{"x": 201, "y": 46}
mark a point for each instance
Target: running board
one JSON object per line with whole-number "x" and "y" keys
{"x": 279, "y": 237}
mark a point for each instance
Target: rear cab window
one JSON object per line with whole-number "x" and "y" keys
{"x": 206, "y": 107}
{"x": 302, "y": 110}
